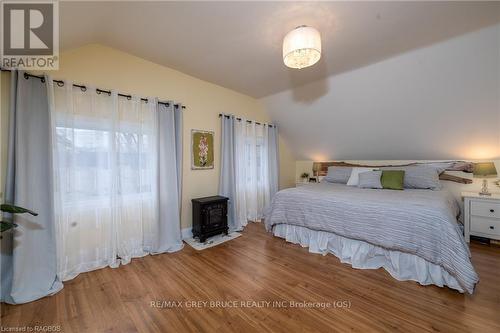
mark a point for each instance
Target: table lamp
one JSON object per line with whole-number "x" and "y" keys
{"x": 316, "y": 169}
{"x": 484, "y": 170}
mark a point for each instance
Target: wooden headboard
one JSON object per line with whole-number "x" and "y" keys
{"x": 454, "y": 166}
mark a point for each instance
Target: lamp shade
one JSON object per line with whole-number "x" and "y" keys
{"x": 302, "y": 47}
{"x": 484, "y": 169}
{"x": 316, "y": 166}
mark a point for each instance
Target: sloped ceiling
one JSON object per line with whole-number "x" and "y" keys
{"x": 434, "y": 103}
{"x": 238, "y": 44}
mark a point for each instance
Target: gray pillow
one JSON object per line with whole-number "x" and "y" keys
{"x": 338, "y": 174}
{"x": 370, "y": 179}
{"x": 420, "y": 176}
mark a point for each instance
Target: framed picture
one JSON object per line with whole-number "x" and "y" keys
{"x": 202, "y": 149}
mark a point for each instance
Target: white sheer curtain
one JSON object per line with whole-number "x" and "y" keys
{"x": 106, "y": 179}
{"x": 253, "y": 186}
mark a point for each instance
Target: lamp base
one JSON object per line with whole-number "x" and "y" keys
{"x": 484, "y": 189}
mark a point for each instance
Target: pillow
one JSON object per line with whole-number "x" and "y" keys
{"x": 338, "y": 174}
{"x": 370, "y": 179}
{"x": 392, "y": 179}
{"x": 354, "y": 178}
{"x": 420, "y": 176}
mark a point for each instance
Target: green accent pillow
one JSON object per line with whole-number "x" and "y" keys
{"x": 392, "y": 179}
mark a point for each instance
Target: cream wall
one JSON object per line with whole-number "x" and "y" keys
{"x": 287, "y": 165}
{"x": 109, "y": 68}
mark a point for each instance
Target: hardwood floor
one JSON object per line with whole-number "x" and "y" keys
{"x": 258, "y": 267}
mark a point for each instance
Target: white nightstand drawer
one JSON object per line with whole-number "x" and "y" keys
{"x": 481, "y": 215}
{"x": 485, "y": 225}
{"x": 485, "y": 208}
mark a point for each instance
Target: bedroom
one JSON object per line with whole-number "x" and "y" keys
{"x": 161, "y": 147}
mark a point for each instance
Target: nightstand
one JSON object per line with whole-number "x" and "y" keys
{"x": 481, "y": 215}
{"x": 299, "y": 183}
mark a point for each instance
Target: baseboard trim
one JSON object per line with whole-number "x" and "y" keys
{"x": 187, "y": 233}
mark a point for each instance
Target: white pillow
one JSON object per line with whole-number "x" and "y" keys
{"x": 354, "y": 178}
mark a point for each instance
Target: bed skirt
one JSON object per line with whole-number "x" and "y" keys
{"x": 362, "y": 255}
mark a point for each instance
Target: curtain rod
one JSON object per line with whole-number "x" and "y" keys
{"x": 60, "y": 83}
{"x": 248, "y": 121}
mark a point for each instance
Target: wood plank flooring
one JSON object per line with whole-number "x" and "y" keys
{"x": 258, "y": 267}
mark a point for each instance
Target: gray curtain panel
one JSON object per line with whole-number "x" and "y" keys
{"x": 273, "y": 163}
{"x": 170, "y": 178}
{"x": 28, "y": 253}
{"x": 227, "y": 180}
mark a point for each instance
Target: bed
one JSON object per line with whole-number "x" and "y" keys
{"x": 412, "y": 234}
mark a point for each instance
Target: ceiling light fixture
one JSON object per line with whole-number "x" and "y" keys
{"x": 302, "y": 47}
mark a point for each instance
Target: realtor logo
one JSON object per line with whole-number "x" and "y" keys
{"x": 30, "y": 35}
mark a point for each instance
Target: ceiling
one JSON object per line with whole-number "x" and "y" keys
{"x": 238, "y": 44}
{"x": 433, "y": 103}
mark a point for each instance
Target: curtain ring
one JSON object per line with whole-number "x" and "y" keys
{"x": 26, "y": 76}
{"x": 43, "y": 80}
{"x": 98, "y": 92}
{"x": 83, "y": 88}
{"x": 109, "y": 93}
{"x": 129, "y": 97}
{"x": 60, "y": 83}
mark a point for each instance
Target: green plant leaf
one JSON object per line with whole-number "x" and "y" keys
{"x": 4, "y": 226}
{"x": 16, "y": 209}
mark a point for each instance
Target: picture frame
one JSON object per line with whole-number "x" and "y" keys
{"x": 202, "y": 149}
